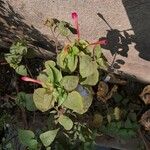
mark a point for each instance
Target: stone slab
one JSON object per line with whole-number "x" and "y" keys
{"x": 125, "y": 23}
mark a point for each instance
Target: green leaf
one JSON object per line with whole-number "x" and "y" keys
{"x": 48, "y": 137}
{"x": 63, "y": 29}
{"x": 92, "y": 79}
{"x": 13, "y": 59}
{"x": 128, "y": 124}
{"x": 26, "y": 100}
{"x": 50, "y": 75}
{"x": 78, "y": 102}
{"x": 50, "y": 68}
{"x": 87, "y": 96}
{"x": 132, "y": 116}
{"x": 70, "y": 82}
{"x": 87, "y": 67}
{"x": 102, "y": 63}
{"x": 61, "y": 59}
{"x": 46, "y": 76}
{"x": 21, "y": 70}
{"x": 48, "y": 148}
{"x": 43, "y": 99}
{"x": 49, "y": 64}
{"x": 66, "y": 122}
{"x": 18, "y": 48}
{"x": 83, "y": 43}
{"x": 26, "y": 137}
{"x": 97, "y": 51}
{"x": 75, "y": 50}
{"x": 74, "y": 102}
{"x": 60, "y": 95}
{"x": 72, "y": 61}
{"x": 117, "y": 97}
{"x": 57, "y": 75}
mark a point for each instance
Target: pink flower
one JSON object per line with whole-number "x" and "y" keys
{"x": 75, "y": 19}
{"x": 27, "y": 79}
{"x": 101, "y": 42}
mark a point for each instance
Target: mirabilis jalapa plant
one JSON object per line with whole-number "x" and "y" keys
{"x": 67, "y": 84}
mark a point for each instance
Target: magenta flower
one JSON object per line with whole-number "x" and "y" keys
{"x": 101, "y": 42}
{"x": 27, "y": 79}
{"x": 75, "y": 19}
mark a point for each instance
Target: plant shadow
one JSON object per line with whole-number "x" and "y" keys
{"x": 13, "y": 27}
{"x": 118, "y": 43}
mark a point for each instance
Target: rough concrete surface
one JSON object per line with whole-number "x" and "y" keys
{"x": 126, "y": 26}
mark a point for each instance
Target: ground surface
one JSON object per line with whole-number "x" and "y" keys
{"x": 124, "y": 23}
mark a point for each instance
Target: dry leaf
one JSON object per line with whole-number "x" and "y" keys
{"x": 103, "y": 92}
{"x": 97, "y": 120}
{"x": 145, "y": 120}
{"x": 145, "y": 95}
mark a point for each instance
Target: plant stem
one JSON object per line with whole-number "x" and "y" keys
{"x": 55, "y": 38}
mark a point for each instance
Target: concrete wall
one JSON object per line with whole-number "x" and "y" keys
{"x": 126, "y": 26}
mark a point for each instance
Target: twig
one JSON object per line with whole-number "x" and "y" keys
{"x": 56, "y": 41}
{"x": 68, "y": 39}
{"x": 141, "y": 135}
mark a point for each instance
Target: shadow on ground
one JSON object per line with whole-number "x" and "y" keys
{"x": 138, "y": 13}
{"x": 13, "y": 27}
{"x": 139, "y": 16}
{"x": 118, "y": 43}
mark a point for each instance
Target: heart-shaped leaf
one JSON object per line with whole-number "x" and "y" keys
{"x": 78, "y": 102}
{"x": 70, "y": 82}
{"x": 87, "y": 66}
{"x": 92, "y": 79}
{"x": 21, "y": 70}
{"x": 66, "y": 122}
{"x": 48, "y": 137}
{"x": 26, "y": 137}
{"x": 43, "y": 99}
{"x": 26, "y": 100}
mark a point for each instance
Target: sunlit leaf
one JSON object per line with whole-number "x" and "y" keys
{"x": 79, "y": 101}
{"x": 21, "y": 70}
{"x": 70, "y": 82}
{"x": 72, "y": 61}
{"x": 43, "y": 99}
{"x": 97, "y": 51}
{"x": 66, "y": 122}
{"x": 87, "y": 66}
{"x": 49, "y": 64}
{"x": 18, "y": 48}
{"x": 48, "y": 137}
{"x": 102, "y": 63}
{"x": 61, "y": 59}
{"x": 92, "y": 79}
